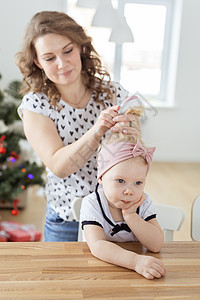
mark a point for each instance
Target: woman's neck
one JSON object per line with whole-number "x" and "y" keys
{"x": 76, "y": 95}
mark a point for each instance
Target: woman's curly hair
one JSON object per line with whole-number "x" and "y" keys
{"x": 95, "y": 77}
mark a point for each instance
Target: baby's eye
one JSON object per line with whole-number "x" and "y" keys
{"x": 138, "y": 182}
{"x": 120, "y": 180}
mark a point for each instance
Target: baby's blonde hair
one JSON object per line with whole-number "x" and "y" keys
{"x": 121, "y": 137}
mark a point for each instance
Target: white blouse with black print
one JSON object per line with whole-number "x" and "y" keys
{"x": 71, "y": 124}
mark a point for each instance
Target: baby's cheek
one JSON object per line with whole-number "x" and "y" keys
{"x": 138, "y": 197}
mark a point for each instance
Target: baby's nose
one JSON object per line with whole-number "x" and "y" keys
{"x": 128, "y": 191}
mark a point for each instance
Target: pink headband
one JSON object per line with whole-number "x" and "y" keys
{"x": 112, "y": 154}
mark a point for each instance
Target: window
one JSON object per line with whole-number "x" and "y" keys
{"x": 145, "y": 65}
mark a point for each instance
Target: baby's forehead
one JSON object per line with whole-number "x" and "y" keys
{"x": 140, "y": 160}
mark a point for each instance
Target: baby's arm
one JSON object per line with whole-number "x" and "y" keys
{"x": 148, "y": 233}
{"x": 147, "y": 266}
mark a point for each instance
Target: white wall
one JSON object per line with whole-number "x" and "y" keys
{"x": 14, "y": 15}
{"x": 176, "y": 131}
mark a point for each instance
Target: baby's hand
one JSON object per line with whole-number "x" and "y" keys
{"x": 133, "y": 207}
{"x": 149, "y": 267}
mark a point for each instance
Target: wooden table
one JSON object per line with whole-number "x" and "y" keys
{"x": 38, "y": 270}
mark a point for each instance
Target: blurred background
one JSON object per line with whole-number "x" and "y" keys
{"x": 150, "y": 46}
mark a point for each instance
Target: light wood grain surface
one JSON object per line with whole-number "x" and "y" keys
{"x": 38, "y": 270}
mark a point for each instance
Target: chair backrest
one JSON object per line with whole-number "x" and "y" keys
{"x": 195, "y": 219}
{"x": 76, "y": 207}
{"x": 170, "y": 219}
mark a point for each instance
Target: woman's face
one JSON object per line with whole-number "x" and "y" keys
{"x": 59, "y": 58}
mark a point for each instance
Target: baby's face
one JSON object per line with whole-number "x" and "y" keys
{"x": 124, "y": 183}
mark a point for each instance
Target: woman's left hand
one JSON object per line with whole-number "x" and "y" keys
{"x": 128, "y": 124}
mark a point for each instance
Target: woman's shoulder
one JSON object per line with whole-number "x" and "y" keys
{"x": 36, "y": 102}
{"x": 117, "y": 85}
{"x": 120, "y": 92}
{"x": 114, "y": 85}
{"x": 36, "y": 97}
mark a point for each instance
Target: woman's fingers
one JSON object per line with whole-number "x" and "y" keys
{"x": 110, "y": 119}
{"x": 105, "y": 120}
{"x": 128, "y": 124}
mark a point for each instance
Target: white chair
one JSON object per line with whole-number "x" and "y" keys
{"x": 76, "y": 207}
{"x": 195, "y": 218}
{"x": 170, "y": 219}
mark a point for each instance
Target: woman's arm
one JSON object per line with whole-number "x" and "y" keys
{"x": 63, "y": 160}
{"x": 147, "y": 266}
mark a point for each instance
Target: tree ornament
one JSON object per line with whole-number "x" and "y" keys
{"x": 2, "y": 149}
{"x": 14, "y": 154}
{"x": 15, "y": 210}
{"x": 2, "y": 144}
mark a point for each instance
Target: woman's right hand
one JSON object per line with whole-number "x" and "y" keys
{"x": 105, "y": 120}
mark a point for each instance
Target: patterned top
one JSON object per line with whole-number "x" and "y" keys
{"x": 71, "y": 124}
{"x": 95, "y": 211}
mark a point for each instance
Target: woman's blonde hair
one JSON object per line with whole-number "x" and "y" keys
{"x": 45, "y": 22}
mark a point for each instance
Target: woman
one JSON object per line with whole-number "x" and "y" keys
{"x": 69, "y": 105}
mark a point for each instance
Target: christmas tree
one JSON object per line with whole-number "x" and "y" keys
{"x": 16, "y": 173}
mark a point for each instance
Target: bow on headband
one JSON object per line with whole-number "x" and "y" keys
{"x": 147, "y": 153}
{"x": 112, "y": 154}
